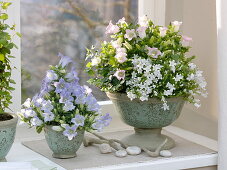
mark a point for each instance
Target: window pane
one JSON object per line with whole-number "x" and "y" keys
{"x": 66, "y": 26}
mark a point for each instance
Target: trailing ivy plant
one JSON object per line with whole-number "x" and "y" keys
{"x": 7, "y": 32}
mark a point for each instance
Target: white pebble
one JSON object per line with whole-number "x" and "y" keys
{"x": 105, "y": 148}
{"x": 121, "y": 153}
{"x": 133, "y": 150}
{"x": 165, "y": 153}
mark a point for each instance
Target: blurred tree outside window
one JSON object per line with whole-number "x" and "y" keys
{"x": 69, "y": 27}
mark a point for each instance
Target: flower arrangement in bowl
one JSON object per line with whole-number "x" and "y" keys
{"x": 64, "y": 109}
{"x": 146, "y": 73}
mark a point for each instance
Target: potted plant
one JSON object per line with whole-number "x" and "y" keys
{"x": 145, "y": 71}
{"x": 8, "y": 121}
{"x": 64, "y": 109}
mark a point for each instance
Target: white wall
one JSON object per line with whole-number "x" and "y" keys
{"x": 199, "y": 22}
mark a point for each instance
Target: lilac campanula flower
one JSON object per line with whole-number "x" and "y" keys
{"x": 37, "y": 100}
{"x": 65, "y": 96}
{"x": 72, "y": 75}
{"x": 51, "y": 75}
{"x": 48, "y": 116}
{"x": 47, "y": 106}
{"x": 61, "y": 85}
{"x": 35, "y": 121}
{"x": 65, "y": 60}
{"x": 102, "y": 122}
{"x": 92, "y": 104}
{"x": 68, "y": 106}
{"x": 29, "y": 113}
{"x": 78, "y": 120}
{"x": 78, "y": 90}
{"x": 46, "y": 85}
{"x": 81, "y": 99}
{"x": 70, "y": 131}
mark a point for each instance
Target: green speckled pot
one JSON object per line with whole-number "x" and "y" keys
{"x": 148, "y": 118}
{"x": 60, "y": 145}
{"x": 7, "y": 135}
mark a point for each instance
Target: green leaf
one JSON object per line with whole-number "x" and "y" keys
{"x": 5, "y": 5}
{"x": 88, "y": 65}
{"x": 2, "y": 57}
{"x": 4, "y": 16}
{"x": 19, "y": 34}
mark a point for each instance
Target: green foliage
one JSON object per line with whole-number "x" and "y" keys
{"x": 6, "y": 46}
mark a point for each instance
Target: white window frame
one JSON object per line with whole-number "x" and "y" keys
{"x": 155, "y": 9}
{"x": 14, "y": 18}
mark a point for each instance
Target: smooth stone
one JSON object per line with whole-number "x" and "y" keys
{"x": 165, "y": 153}
{"x": 105, "y": 148}
{"x": 121, "y": 153}
{"x": 133, "y": 150}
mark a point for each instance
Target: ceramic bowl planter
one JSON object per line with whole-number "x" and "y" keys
{"x": 147, "y": 118}
{"x": 60, "y": 145}
{"x": 7, "y": 134}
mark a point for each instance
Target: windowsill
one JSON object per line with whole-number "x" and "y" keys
{"x": 21, "y": 153}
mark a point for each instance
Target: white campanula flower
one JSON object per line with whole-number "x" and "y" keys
{"x": 192, "y": 66}
{"x": 191, "y": 77}
{"x": 120, "y": 74}
{"x": 142, "y": 31}
{"x": 27, "y": 103}
{"x": 165, "y": 106}
{"x": 78, "y": 120}
{"x": 68, "y": 106}
{"x": 116, "y": 44}
{"x": 70, "y": 131}
{"x": 186, "y": 40}
{"x": 153, "y": 52}
{"x": 178, "y": 77}
{"x": 48, "y": 116}
{"x": 95, "y": 61}
{"x": 131, "y": 95}
{"x": 130, "y": 34}
{"x": 144, "y": 97}
{"x": 122, "y": 21}
{"x": 121, "y": 50}
{"x": 163, "y": 31}
{"x": 176, "y": 25}
{"x": 51, "y": 75}
{"x": 29, "y": 113}
{"x": 170, "y": 86}
{"x": 112, "y": 29}
{"x": 35, "y": 121}
{"x": 143, "y": 21}
{"x": 121, "y": 57}
{"x": 88, "y": 90}
{"x": 172, "y": 65}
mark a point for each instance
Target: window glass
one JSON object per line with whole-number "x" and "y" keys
{"x": 66, "y": 26}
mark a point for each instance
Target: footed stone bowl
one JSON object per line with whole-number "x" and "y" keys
{"x": 60, "y": 145}
{"x": 147, "y": 118}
